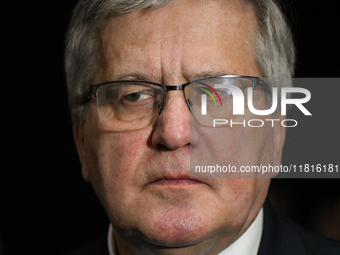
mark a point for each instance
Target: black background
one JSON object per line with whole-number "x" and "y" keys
{"x": 45, "y": 206}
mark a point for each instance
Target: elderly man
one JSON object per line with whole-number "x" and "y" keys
{"x": 132, "y": 126}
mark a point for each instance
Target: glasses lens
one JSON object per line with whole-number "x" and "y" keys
{"x": 215, "y": 98}
{"x": 128, "y": 105}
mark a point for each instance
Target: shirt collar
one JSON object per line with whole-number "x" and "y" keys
{"x": 110, "y": 241}
{"x": 247, "y": 244}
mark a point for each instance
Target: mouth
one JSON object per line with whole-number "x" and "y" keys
{"x": 176, "y": 181}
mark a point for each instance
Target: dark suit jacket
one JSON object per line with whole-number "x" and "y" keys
{"x": 98, "y": 247}
{"x": 280, "y": 236}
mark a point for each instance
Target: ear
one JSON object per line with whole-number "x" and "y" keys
{"x": 78, "y": 136}
{"x": 279, "y": 136}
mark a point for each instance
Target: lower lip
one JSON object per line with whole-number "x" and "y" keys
{"x": 179, "y": 182}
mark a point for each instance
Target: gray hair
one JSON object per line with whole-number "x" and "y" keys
{"x": 273, "y": 46}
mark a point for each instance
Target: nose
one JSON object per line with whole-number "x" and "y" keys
{"x": 172, "y": 128}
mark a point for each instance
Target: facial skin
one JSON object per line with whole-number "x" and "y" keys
{"x": 183, "y": 40}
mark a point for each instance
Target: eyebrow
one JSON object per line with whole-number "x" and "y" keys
{"x": 131, "y": 76}
{"x": 212, "y": 73}
{"x": 139, "y": 76}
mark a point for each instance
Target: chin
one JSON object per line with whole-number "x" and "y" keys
{"x": 177, "y": 227}
{"x": 176, "y": 238}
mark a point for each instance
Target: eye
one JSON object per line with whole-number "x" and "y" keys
{"x": 134, "y": 97}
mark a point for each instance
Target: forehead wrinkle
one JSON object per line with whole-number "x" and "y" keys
{"x": 158, "y": 61}
{"x": 122, "y": 51}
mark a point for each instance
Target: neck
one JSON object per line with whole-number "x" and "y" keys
{"x": 135, "y": 246}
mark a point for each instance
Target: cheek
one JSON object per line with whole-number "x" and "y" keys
{"x": 239, "y": 198}
{"x": 257, "y": 147}
{"x": 112, "y": 160}
{"x": 235, "y": 146}
{"x": 118, "y": 151}
{"x": 237, "y": 192}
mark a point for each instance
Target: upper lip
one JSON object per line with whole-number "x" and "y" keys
{"x": 176, "y": 177}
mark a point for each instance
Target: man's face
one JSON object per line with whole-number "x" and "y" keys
{"x": 186, "y": 39}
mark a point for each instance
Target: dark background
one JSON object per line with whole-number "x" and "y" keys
{"x": 45, "y": 206}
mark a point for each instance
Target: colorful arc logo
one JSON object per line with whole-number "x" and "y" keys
{"x": 212, "y": 89}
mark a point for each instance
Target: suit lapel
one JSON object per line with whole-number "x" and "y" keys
{"x": 278, "y": 235}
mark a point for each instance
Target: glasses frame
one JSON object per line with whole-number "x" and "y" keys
{"x": 93, "y": 89}
{"x": 255, "y": 80}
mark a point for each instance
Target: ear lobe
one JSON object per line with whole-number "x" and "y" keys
{"x": 78, "y": 136}
{"x": 279, "y": 135}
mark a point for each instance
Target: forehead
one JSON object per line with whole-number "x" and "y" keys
{"x": 185, "y": 37}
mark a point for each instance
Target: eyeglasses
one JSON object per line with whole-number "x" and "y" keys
{"x": 131, "y": 105}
